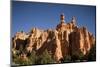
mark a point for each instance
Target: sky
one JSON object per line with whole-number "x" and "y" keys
{"x": 27, "y": 15}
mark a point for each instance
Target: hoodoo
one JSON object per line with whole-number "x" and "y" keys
{"x": 66, "y": 39}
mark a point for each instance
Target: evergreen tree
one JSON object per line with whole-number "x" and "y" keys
{"x": 45, "y": 58}
{"x": 67, "y": 58}
{"x": 92, "y": 54}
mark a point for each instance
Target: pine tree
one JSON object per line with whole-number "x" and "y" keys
{"x": 45, "y": 58}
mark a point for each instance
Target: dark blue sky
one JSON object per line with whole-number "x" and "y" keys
{"x": 26, "y": 15}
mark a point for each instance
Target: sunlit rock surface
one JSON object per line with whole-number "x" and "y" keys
{"x": 65, "y": 39}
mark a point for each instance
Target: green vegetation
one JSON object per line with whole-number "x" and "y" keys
{"x": 77, "y": 56}
{"x": 44, "y": 58}
{"x": 92, "y": 54}
{"x": 67, "y": 59}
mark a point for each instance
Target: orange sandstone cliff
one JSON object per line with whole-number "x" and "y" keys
{"x": 65, "y": 39}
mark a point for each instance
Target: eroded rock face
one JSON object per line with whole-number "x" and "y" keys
{"x": 80, "y": 40}
{"x": 65, "y": 39}
{"x": 19, "y": 40}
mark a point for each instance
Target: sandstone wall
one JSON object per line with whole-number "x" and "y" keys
{"x": 66, "y": 39}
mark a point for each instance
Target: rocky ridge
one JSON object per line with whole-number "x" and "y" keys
{"x": 65, "y": 39}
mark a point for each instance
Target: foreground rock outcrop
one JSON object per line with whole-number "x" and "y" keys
{"x": 65, "y": 39}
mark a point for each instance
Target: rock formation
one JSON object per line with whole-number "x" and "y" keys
{"x": 67, "y": 38}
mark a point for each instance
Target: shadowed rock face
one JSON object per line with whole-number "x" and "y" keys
{"x": 66, "y": 39}
{"x": 80, "y": 41}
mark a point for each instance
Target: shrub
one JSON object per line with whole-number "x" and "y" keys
{"x": 45, "y": 58}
